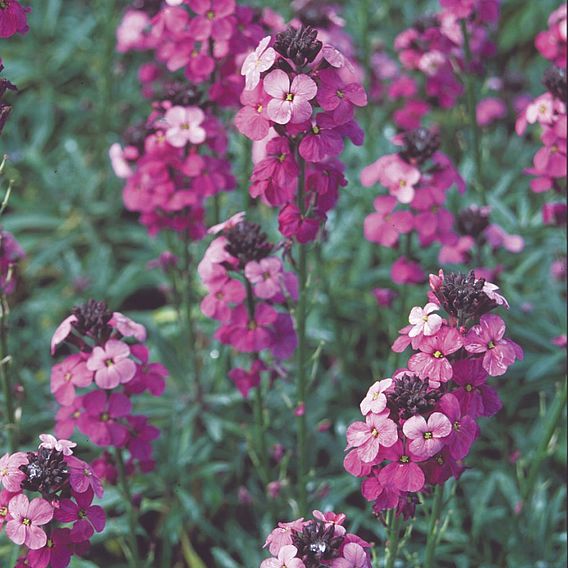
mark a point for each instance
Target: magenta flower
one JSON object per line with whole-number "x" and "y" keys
{"x": 87, "y": 518}
{"x": 354, "y": 556}
{"x": 403, "y": 473}
{"x": 10, "y": 474}
{"x": 56, "y": 553}
{"x": 249, "y": 335}
{"x": 376, "y": 400}
{"x": 260, "y": 60}
{"x": 13, "y": 18}
{"x": 65, "y": 376}
{"x": 216, "y": 304}
{"x": 406, "y": 271}
{"x": 432, "y": 362}
{"x": 322, "y": 141}
{"x": 82, "y": 477}
{"x": 27, "y": 519}
{"x": 111, "y": 364}
{"x": 286, "y": 559}
{"x": 474, "y": 396}
{"x": 424, "y": 321}
{"x": 266, "y": 275}
{"x": 184, "y": 125}
{"x": 395, "y": 174}
{"x": 337, "y": 97}
{"x": 291, "y": 223}
{"x": 487, "y": 337}
{"x": 290, "y": 102}
{"x": 368, "y": 437}
{"x": 213, "y": 19}
{"x": 99, "y": 421}
{"x": 252, "y": 120}
{"x": 464, "y": 428}
{"x": 427, "y": 438}
{"x": 52, "y": 443}
{"x": 384, "y": 226}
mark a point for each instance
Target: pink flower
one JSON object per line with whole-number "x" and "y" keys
{"x": 216, "y": 304}
{"x": 213, "y": 19}
{"x": 27, "y": 518}
{"x": 403, "y": 473}
{"x": 395, "y": 174}
{"x": 249, "y": 335}
{"x": 354, "y": 556}
{"x": 432, "y": 362}
{"x": 384, "y": 296}
{"x": 82, "y": 477}
{"x": 266, "y": 275}
{"x": 260, "y": 60}
{"x": 52, "y": 443}
{"x": 291, "y": 223}
{"x": 10, "y": 474}
{"x": 490, "y": 110}
{"x": 13, "y": 18}
{"x": 62, "y": 331}
{"x": 427, "y": 437}
{"x": 57, "y": 553}
{"x": 184, "y": 125}
{"x": 65, "y": 376}
{"x": 100, "y": 419}
{"x": 286, "y": 559}
{"x": 368, "y": 437}
{"x": 333, "y": 95}
{"x": 424, "y": 321}
{"x": 376, "y": 400}
{"x": 282, "y": 536}
{"x": 252, "y": 120}
{"x": 487, "y": 338}
{"x": 246, "y": 380}
{"x": 464, "y": 428}
{"x": 290, "y": 102}
{"x": 405, "y": 271}
{"x": 384, "y": 226}
{"x": 111, "y": 364}
{"x": 127, "y": 327}
{"x": 322, "y": 140}
{"x": 87, "y": 518}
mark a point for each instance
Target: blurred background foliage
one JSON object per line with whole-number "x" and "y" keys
{"x": 76, "y": 98}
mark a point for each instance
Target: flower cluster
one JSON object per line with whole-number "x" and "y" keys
{"x": 246, "y": 283}
{"x": 11, "y": 253}
{"x": 420, "y": 424}
{"x": 299, "y": 100}
{"x": 549, "y": 110}
{"x": 316, "y": 543}
{"x": 108, "y": 353}
{"x": 176, "y": 159}
{"x": 61, "y": 521}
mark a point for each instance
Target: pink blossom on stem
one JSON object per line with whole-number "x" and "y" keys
{"x": 184, "y": 125}
{"x": 376, "y": 401}
{"x": 111, "y": 364}
{"x": 265, "y": 275}
{"x": 384, "y": 226}
{"x": 368, "y": 437}
{"x": 10, "y": 474}
{"x": 52, "y": 443}
{"x": 260, "y": 60}
{"x": 424, "y": 320}
{"x": 427, "y": 438}
{"x": 27, "y": 519}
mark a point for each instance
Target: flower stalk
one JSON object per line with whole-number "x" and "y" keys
{"x": 5, "y": 360}
{"x": 393, "y": 530}
{"x": 432, "y": 538}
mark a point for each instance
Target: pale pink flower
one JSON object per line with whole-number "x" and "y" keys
{"x": 395, "y": 174}
{"x": 62, "y": 331}
{"x": 10, "y": 474}
{"x": 184, "y": 125}
{"x": 52, "y": 443}
{"x": 427, "y": 437}
{"x": 228, "y": 224}
{"x": 424, "y": 321}
{"x": 260, "y": 60}
{"x": 354, "y": 556}
{"x": 286, "y": 559}
{"x": 266, "y": 276}
{"x": 27, "y": 518}
{"x": 376, "y": 400}
{"x": 111, "y": 364}
{"x": 128, "y": 327}
{"x": 368, "y": 437}
{"x": 65, "y": 376}
{"x": 541, "y": 110}
{"x": 290, "y": 102}
{"x": 282, "y": 535}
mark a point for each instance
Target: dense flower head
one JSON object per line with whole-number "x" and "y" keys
{"x": 13, "y": 18}
{"x": 97, "y": 383}
{"x": 316, "y": 543}
{"x": 420, "y": 425}
{"x": 250, "y": 293}
{"x": 35, "y": 522}
{"x": 298, "y": 105}
{"x": 554, "y": 80}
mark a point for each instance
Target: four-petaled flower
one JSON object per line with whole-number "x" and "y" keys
{"x": 290, "y": 101}
{"x": 260, "y": 60}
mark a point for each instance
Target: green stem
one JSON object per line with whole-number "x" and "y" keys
{"x": 432, "y": 538}
{"x": 555, "y": 415}
{"x": 134, "y": 560}
{"x": 393, "y": 527}
{"x": 301, "y": 354}
{"x": 10, "y": 421}
{"x": 471, "y": 109}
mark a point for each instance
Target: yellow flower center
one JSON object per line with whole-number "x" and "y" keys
{"x": 456, "y": 426}
{"x": 67, "y": 377}
{"x": 440, "y": 460}
{"x": 375, "y": 433}
{"x": 491, "y": 345}
{"x": 3, "y": 511}
{"x": 339, "y": 93}
{"x": 315, "y": 129}
{"x": 252, "y": 325}
{"x": 259, "y": 109}
{"x": 438, "y": 354}
{"x": 109, "y": 362}
{"x": 210, "y": 15}
{"x": 105, "y": 417}
{"x": 281, "y": 158}
{"x": 404, "y": 459}
{"x": 402, "y": 183}
{"x": 376, "y": 395}
{"x": 468, "y": 388}
{"x": 26, "y": 522}
{"x": 289, "y": 97}
{"x": 424, "y": 318}
{"x": 428, "y": 435}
